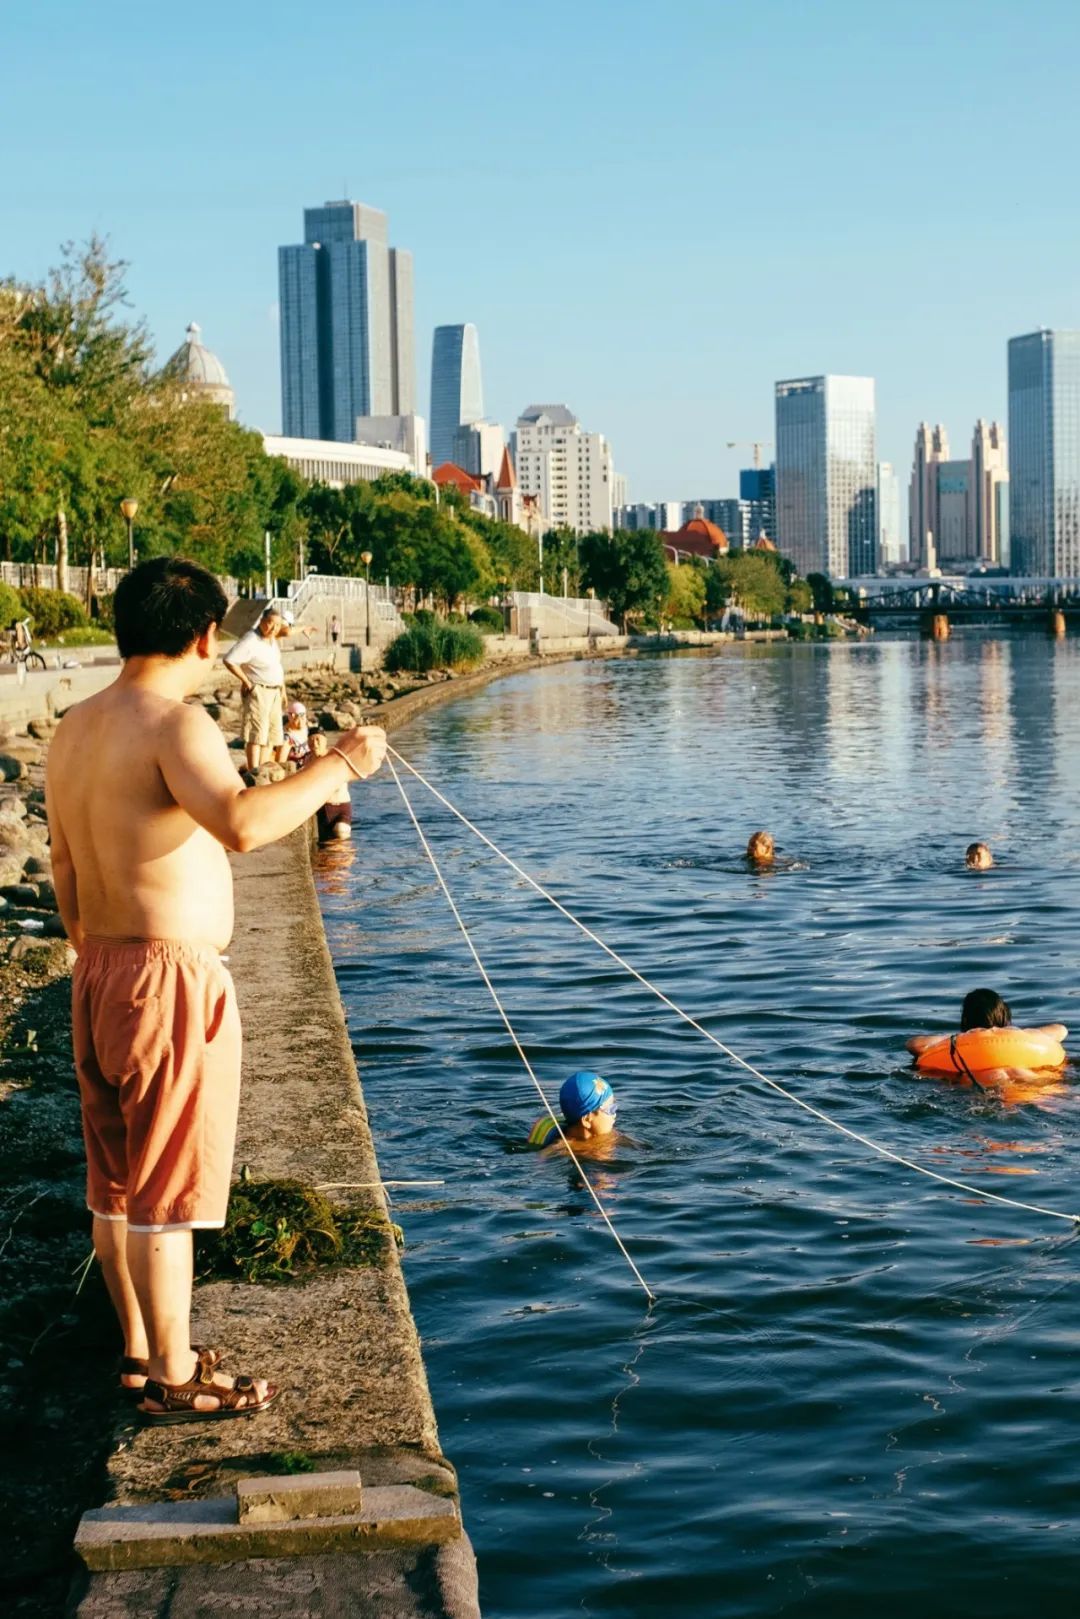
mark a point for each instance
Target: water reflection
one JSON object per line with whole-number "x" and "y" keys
{"x": 842, "y": 1355}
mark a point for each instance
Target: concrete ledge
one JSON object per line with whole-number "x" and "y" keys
{"x": 303, "y": 1495}
{"x": 176, "y": 1534}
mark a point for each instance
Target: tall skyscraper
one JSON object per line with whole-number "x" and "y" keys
{"x": 570, "y": 471}
{"x": 826, "y": 475}
{"x": 989, "y": 492}
{"x": 888, "y": 512}
{"x": 346, "y": 324}
{"x": 456, "y": 395}
{"x": 924, "y": 516}
{"x": 1044, "y": 453}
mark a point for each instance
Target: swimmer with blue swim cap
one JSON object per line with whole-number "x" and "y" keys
{"x": 588, "y": 1109}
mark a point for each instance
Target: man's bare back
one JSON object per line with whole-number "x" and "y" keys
{"x": 146, "y": 869}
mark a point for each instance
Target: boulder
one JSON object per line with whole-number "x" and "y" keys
{"x": 54, "y": 928}
{"x": 46, "y": 895}
{"x": 37, "y": 866}
{"x": 12, "y": 769}
{"x": 42, "y": 729}
{"x": 328, "y": 721}
{"x": 213, "y": 709}
{"x": 20, "y": 893}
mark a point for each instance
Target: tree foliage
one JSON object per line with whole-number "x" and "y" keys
{"x": 627, "y": 570}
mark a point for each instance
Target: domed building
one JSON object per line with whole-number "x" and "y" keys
{"x": 200, "y": 373}
{"x": 697, "y": 538}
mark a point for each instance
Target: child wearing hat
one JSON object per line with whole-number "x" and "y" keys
{"x": 588, "y": 1109}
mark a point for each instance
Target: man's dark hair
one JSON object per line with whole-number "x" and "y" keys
{"x": 984, "y": 1009}
{"x": 163, "y": 606}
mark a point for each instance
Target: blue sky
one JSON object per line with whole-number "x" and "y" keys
{"x": 651, "y": 212}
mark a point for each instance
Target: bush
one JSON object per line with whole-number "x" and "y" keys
{"x": 53, "y": 611}
{"x": 86, "y": 635}
{"x": 275, "y": 1230}
{"x": 488, "y": 620}
{"x": 434, "y": 646}
{"x": 10, "y": 605}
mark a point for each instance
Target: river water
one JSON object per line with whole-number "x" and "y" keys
{"x": 857, "y": 1390}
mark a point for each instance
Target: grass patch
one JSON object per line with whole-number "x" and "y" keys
{"x": 434, "y": 645}
{"x": 276, "y": 1231}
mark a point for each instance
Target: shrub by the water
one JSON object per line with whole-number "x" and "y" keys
{"x": 488, "y": 620}
{"x": 53, "y": 610}
{"x": 434, "y": 646}
{"x": 275, "y": 1230}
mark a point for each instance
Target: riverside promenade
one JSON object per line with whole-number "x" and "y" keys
{"x": 342, "y": 1344}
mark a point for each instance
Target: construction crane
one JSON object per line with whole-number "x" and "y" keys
{"x": 757, "y": 445}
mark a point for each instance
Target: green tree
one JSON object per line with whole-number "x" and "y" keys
{"x": 626, "y": 569}
{"x": 685, "y": 605}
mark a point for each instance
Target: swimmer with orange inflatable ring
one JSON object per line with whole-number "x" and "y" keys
{"x": 989, "y": 1049}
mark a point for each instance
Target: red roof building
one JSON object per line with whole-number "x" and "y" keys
{"x": 697, "y": 538}
{"x": 448, "y": 473}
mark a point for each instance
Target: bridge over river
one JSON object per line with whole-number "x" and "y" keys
{"x": 974, "y": 598}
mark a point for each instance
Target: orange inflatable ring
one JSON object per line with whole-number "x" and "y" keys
{"x": 977, "y": 1050}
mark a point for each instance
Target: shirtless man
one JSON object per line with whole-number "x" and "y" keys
{"x": 143, "y": 801}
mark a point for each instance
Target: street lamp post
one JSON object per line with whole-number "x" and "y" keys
{"x": 365, "y": 558}
{"x": 129, "y": 507}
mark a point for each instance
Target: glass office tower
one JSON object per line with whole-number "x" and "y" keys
{"x": 1044, "y": 454}
{"x": 346, "y": 324}
{"x": 456, "y": 394}
{"x": 826, "y": 475}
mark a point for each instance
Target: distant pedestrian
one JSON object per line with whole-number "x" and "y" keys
{"x": 255, "y": 660}
{"x": 335, "y": 629}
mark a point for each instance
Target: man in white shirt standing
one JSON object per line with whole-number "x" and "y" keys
{"x": 255, "y": 660}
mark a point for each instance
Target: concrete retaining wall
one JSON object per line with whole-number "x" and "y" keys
{"x": 343, "y": 1345}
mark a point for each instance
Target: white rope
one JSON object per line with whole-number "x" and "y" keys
{"x": 650, "y": 1295}
{"x": 808, "y": 1107}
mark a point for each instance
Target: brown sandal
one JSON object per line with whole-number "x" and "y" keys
{"x": 132, "y": 1366}
{"x": 178, "y": 1399}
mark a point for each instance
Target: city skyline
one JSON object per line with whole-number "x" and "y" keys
{"x": 816, "y": 284}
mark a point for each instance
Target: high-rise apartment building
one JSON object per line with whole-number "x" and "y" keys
{"x": 989, "y": 493}
{"x": 456, "y": 394}
{"x": 570, "y": 471}
{"x": 757, "y": 488}
{"x": 658, "y": 515}
{"x": 924, "y": 517}
{"x": 890, "y": 550}
{"x": 826, "y": 474}
{"x": 1044, "y": 453}
{"x": 479, "y": 447}
{"x": 346, "y": 301}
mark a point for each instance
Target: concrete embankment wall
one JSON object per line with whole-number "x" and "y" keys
{"x": 343, "y": 1345}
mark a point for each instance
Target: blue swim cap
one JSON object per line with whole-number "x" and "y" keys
{"x": 583, "y": 1093}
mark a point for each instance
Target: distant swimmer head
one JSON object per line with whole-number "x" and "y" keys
{"x": 761, "y": 849}
{"x": 587, "y": 1099}
{"x": 984, "y": 1009}
{"x": 978, "y": 857}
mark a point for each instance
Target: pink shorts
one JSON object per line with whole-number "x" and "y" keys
{"x": 156, "y": 1034}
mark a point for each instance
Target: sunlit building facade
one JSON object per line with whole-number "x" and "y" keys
{"x": 456, "y": 393}
{"x": 346, "y": 313}
{"x": 1044, "y": 453}
{"x": 826, "y": 474}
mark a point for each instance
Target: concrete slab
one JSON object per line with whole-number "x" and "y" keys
{"x": 304, "y": 1495}
{"x": 176, "y": 1534}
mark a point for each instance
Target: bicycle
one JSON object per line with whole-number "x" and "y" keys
{"x": 20, "y": 648}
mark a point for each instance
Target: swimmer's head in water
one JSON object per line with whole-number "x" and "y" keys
{"x": 761, "y": 848}
{"x": 978, "y": 857}
{"x": 984, "y": 1009}
{"x": 586, "y": 1096}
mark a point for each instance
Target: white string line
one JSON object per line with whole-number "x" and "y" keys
{"x": 650, "y": 1295}
{"x": 808, "y": 1107}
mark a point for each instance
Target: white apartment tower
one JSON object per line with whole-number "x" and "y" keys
{"x": 924, "y": 510}
{"x": 989, "y": 492}
{"x": 569, "y": 470}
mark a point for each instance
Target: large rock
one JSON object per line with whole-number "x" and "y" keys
{"x": 12, "y": 769}
{"x": 42, "y": 729}
{"x": 20, "y": 893}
